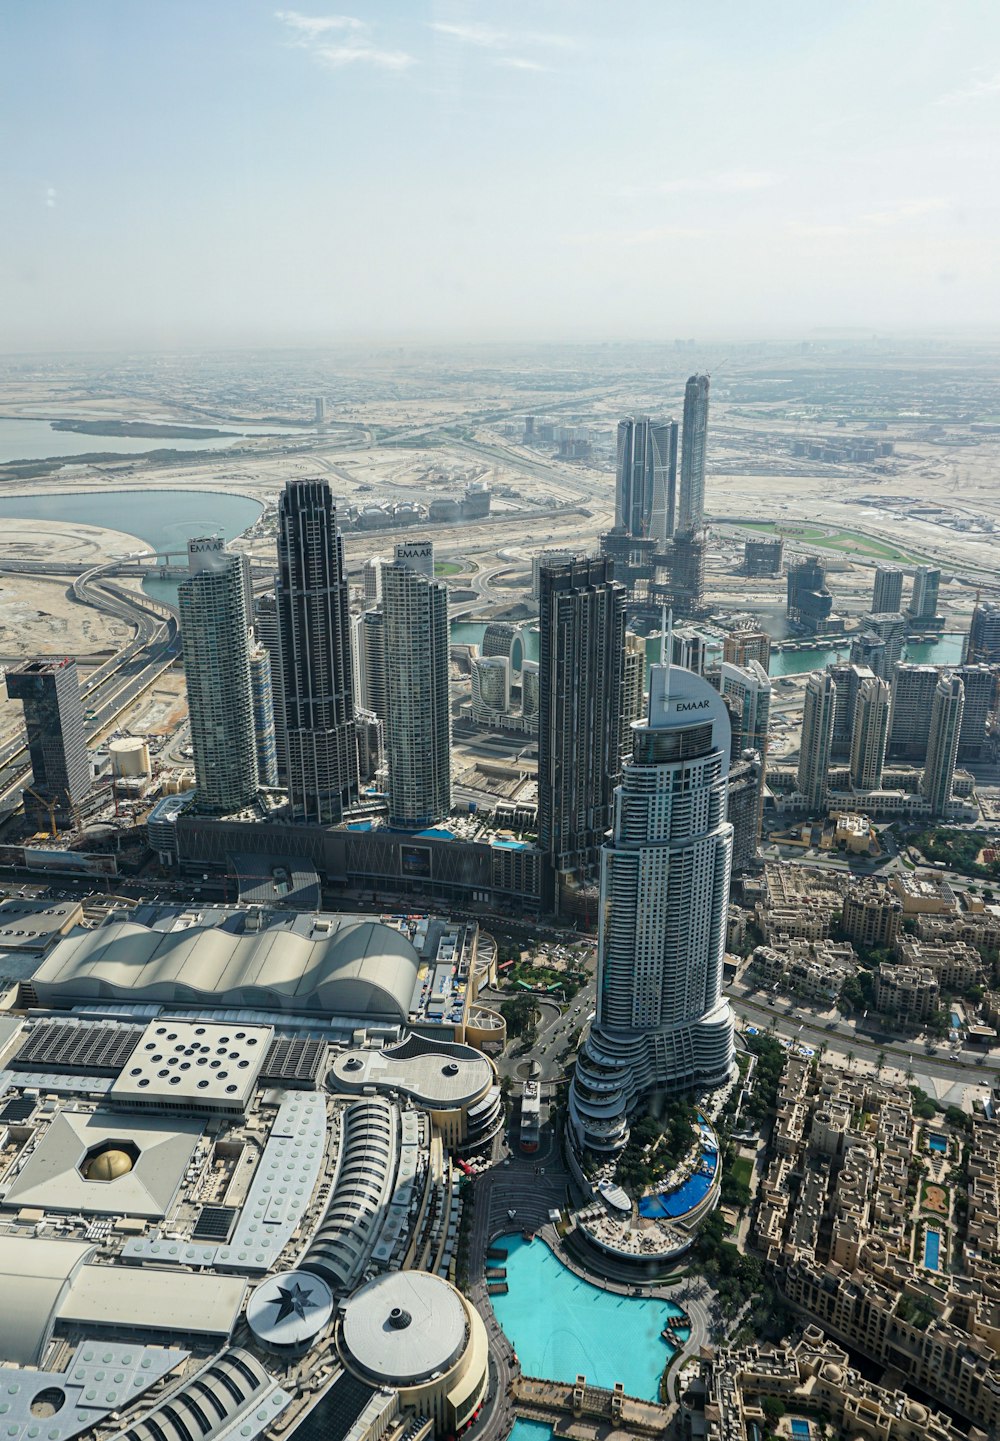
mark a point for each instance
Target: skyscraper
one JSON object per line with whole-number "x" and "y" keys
{"x": 887, "y": 591}
{"x": 913, "y": 688}
{"x": 263, "y": 714}
{"x": 890, "y": 628}
{"x": 314, "y": 645}
{"x": 750, "y": 687}
{"x": 212, "y": 604}
{"x": 983, "y": 646}
{"x": 746, "y": 643}
{"x": 743, "y": 809}
{"x": 868, "y": 738}
{"x": 924, "y": 598}
{"x": 942, "y": 746}
{"x": 633, "y": 689}
{"x": 694, "y": 441}
{"x": 662, "y": 1022}
{"x": 371, "y": 579}
{"x": 980, "y": 684}
{"x": 809, "y": 602}
{"x": 418, "y": 725}
{"x": 646, "y": 478}
{"x": 817, "y": 730}
{"x": 265, "y": 629}
{"x": 368, "y": 652}
{"x": 490, "y": 688}
{"x": 49, "y": 690}
{"x": 581, "y": 659}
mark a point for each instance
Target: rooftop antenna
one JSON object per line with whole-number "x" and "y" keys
{"x": 667, "y": 627}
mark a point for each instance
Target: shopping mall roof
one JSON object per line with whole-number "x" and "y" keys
{"x": 336, "y": 965}
{"x": 34, "y": 1277}
{"x": 405, "y": 1327}
{"x": 437, "y": 1075}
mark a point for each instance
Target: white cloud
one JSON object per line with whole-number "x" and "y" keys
{"x": 980, "y": 87}
{"x": 50, "y": 197}
{"x": 315, "y": 33}
{"x": 486, "y": 37}
{"x": 727, "y": 182}
{"x": 518, "y": 62}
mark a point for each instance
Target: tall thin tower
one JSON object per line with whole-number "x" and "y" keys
{"x": 942, "y": 745}
{"x": 691, "y": 507}
{"x": 418, "y": 725}
{"x": 212, "y": 604}
{"x": 646, "y": 478}
{"x": 315, "y": 656}
{"x": 869, "y": 734}
{"x": 662, "y": 1023}
{"x": 817, "y": 734}
{"x": 581, "y": 667}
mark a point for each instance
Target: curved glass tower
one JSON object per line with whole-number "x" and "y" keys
{"x": 661, "y": 1023}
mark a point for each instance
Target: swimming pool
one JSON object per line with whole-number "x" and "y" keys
{"x": 562, "y": 1327}
{"x": 687, "y": 1196}
{"x": 932, "y": 1250}
{"x": 529, "y": 1431}
{"x": 800, "y": 1428}
{"x": 937, "y": 1143}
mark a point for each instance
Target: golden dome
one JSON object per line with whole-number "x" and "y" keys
{"x": 108, "y": 1166}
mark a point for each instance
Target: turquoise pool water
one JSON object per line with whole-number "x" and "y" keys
{"x": 688, "y": 1195}
{"x": 562, "y": 1327}
{"x": 529, "y": 1431}
{"x": 932, "y": 1250}
{"x": 800, "y": 1428}
{"x": 937, "y": 1143}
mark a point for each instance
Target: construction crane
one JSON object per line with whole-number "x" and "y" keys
{"x": 49, "y": 806}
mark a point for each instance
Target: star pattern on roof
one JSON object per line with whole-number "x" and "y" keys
{"x": 293, "y": 1300}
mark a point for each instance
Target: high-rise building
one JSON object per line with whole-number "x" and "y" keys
{"x": 763, "y": 557}
{"x": 868, "y": 652}
{"x": 913, "y": 688}
{"x": 924, "y": 598}
{"x": 887, "y": 592}
{"x": 983, "y": 645}
{"x": 680, "y": 574}
{"x": 890, "y": 627}
{"x": 746, "y": 643}
{"x": 262, "y": 698}
{"x": 871, "y": 730}
{"x": 817, "y": 729}
{"x": 490, "y": 688}
{"x": 980, "y": 684}
{"x": 646, "y": 478}
{"x": 371, "y": 744}
{"x": 416, "y": 555}
{"x": 581, "y": 660}
{"x": 368, "y": 652}
{"x": 49, "y": 690}
{"x": 662, "y": 1023}
{"x": 547, "y": 557}
{"x": 743, "y": 809}
{"x": 694, "y": 443}
{"x": 265, "y": 629}
{"x": 314, "y": 642}
{"x": 633, "y": 689}
{"x": 529, "y": 693}
{"x": 942, "y": 746}
{"x": 212, "y": 605}
{"x": 371, "y": 579}
{"x": 418, "y": 724}
{"x": 753, "y": 688}
{"x": 809, "y": 602}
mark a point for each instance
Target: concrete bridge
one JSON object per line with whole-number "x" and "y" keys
{"x": 572, "y": 1409}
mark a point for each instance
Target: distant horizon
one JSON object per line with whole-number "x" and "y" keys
{"x": 412, "y": 172}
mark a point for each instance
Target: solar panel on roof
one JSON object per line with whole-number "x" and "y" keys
{"x": 293, "y": 1061}
{"x": 215, "y": 1223}
{"x": 19, "y": 1109}
{"x": 335, "y": 1412}
{"x": 100, "y": 1050}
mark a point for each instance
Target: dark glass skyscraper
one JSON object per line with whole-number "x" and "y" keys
{"x": 315, "y": 656}
{"x": 581, "y": 665}
{"x": 691, "y": 506}
{"x": 646, "y": 480}
{"x": 53, "y": 716}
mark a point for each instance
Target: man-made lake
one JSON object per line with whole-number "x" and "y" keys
{"x": 946, "y": 651}
{"x": 163, "y": 520}
{"x": 22, "y": 439}
{"x": 562, "y": 1327}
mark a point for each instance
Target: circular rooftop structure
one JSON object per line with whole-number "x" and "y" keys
{"x": 405, "y": 1327}
{"x": 286, "y": 1312}
{"x": 108, "y": 1164}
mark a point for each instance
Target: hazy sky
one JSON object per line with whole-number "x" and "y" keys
{"x": 179, "y": 172}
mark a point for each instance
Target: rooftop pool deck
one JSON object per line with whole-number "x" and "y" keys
{"x": 561, "y": 1326}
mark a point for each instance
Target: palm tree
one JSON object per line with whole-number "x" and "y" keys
{"x": 850, "y": 1060}
{"x": 880, "y": 1063}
